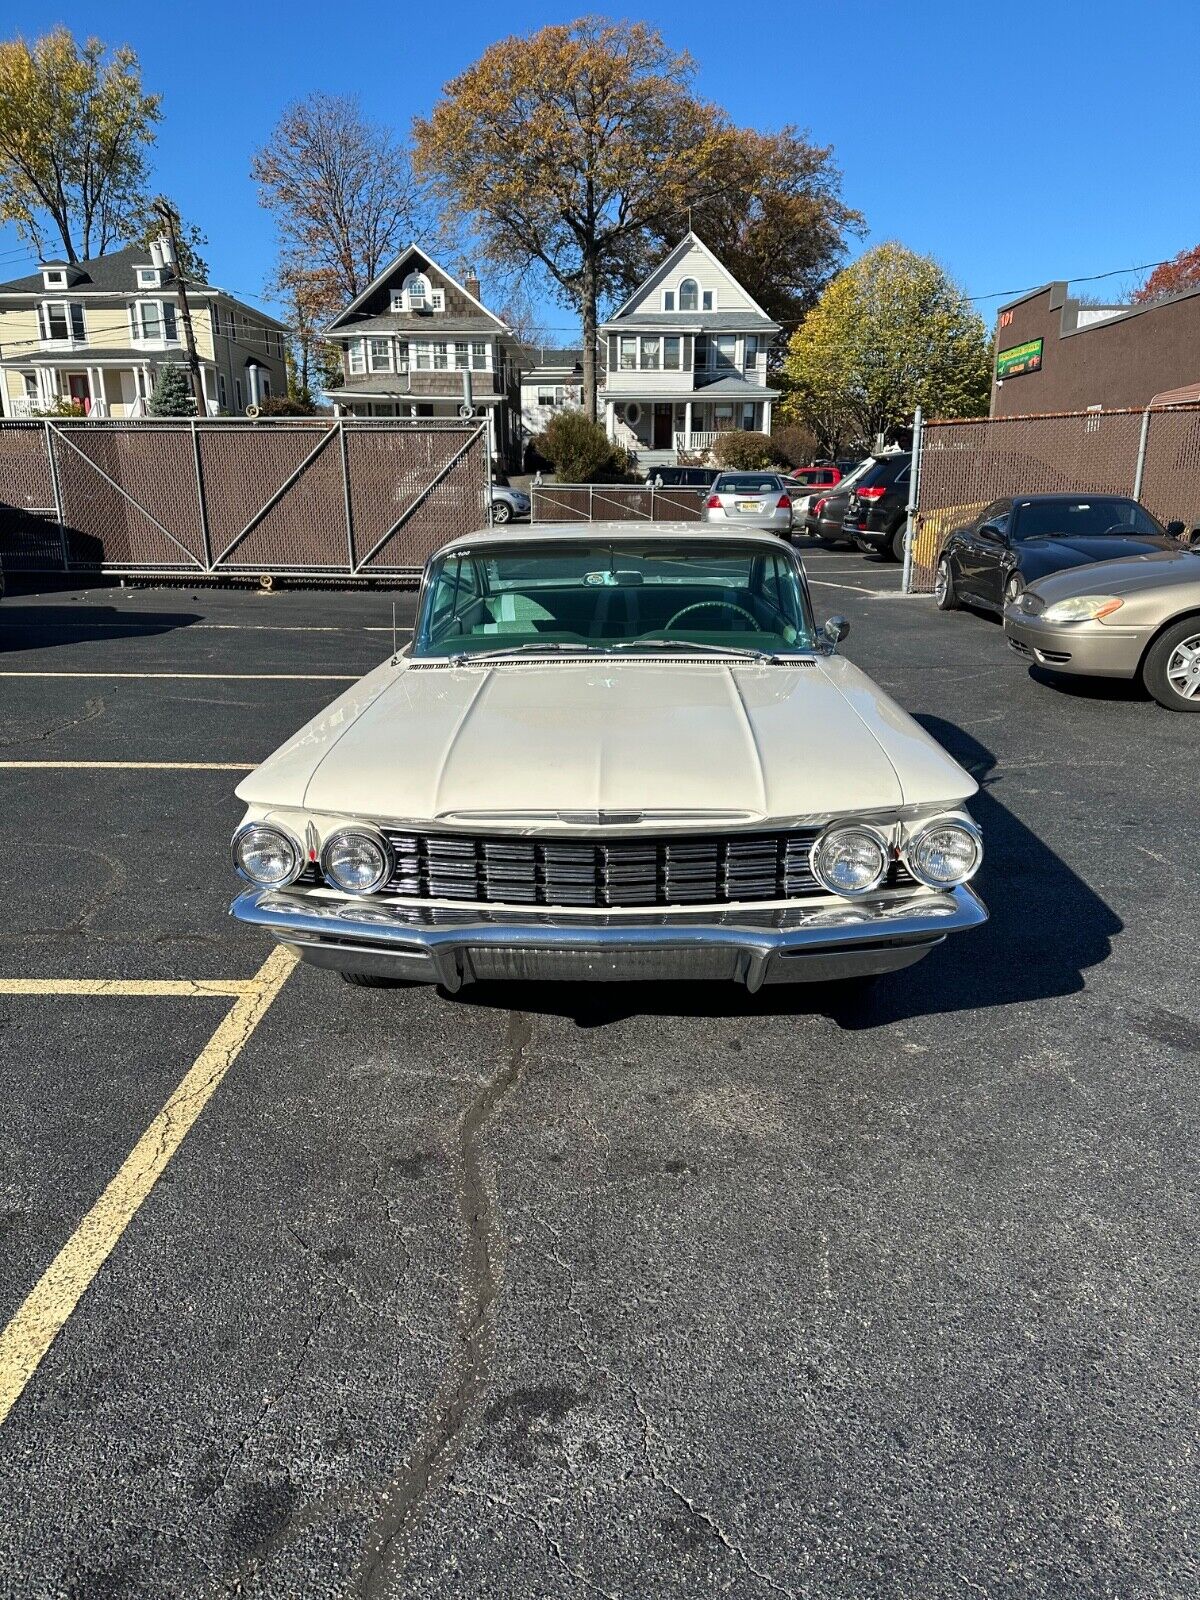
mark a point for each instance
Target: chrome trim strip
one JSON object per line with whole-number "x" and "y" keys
{"x": 437, "y": 941}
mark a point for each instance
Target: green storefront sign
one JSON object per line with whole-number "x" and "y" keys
{"x": 1019, "y": 358}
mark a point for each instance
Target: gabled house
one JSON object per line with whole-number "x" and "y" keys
{"x": 686, "y": 359}
{"x": 94, "y": 333}
{"x": 418, "y": 343}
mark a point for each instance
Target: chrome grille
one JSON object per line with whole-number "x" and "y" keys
{"x": 631, "y": 871}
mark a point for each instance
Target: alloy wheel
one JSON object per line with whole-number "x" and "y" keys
{"x": 1183, "y": 668}
{"x": 940, "y": 579}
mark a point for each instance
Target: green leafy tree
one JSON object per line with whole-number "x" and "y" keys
{"x": 890, "y": 333}
{"x": 172, "y": 395}
{"x": 74, "y": 132}
{"x": 579, "y": 450}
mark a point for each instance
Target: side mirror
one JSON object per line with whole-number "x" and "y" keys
{"x": 1194, "y": 539}
{"x": 836, "y": 629}
{"x": 990, "y": 532}
{"x": 1176, "y": 530}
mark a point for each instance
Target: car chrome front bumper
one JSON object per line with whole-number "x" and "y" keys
{"x": 453, "y": 946}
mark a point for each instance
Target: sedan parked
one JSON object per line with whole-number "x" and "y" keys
{"x": 1019, "y": 539}
{"x": 1138, "y": 617}
{"x": 751, "y": 500}
{"x": 509, "y": 505}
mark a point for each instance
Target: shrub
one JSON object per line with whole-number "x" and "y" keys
{"x": 287, "y": 405}
{"x": 62, "y": 407}
{"x": 580, "y": 451}
{"x": 794, "y": 444}
{"x": 744, "y": 452}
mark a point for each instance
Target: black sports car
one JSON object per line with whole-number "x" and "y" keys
{"x": 1023, "y": 537}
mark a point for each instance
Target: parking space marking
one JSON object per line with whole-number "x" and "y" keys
{"x": 822, "y": 583}
{"x": 196, "y": 627}
{"x": 35, "y": 1326}
{"x": 205, "y": 677}
{"x": 139, "y": 988}
{"x": 129, "y": 766}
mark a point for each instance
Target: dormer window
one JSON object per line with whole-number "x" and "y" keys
{"x": 689, "y": 295}
{"x": 55, "y": 278}
{"x": 149, "y": 277}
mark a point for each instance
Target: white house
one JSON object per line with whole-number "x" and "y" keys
{"x": 687, "y": 359}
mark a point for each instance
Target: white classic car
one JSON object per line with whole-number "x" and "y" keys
{"x": 611, "y": 751}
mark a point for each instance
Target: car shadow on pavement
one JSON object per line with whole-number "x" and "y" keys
{"x": 46, "y": 626}
{"x": 1046, "y": 928}
{"x": 1128, "y": 691}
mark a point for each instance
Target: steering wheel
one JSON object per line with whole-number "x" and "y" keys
{"x": 719, "y": 605}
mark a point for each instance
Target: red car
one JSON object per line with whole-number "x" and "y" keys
{"x": 824, "y": 476}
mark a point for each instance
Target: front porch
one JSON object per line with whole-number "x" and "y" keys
{"x": 99, "y": 390}
{"x": 652, "y": 425}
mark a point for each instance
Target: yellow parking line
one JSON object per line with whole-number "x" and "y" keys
{"x": 204, "y": 677}
{"x": 26, "y": 1339}
{"x": 137, "y": 988}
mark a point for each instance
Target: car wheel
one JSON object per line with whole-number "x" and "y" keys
{"x": 1013, "y": 589}
{"x": 374, "y": 980}
{"x": 501, "y": 511}
{"x": 899, "y": 533}
{"x": 1172, "y": 667}
{"x": 943, "y": 586}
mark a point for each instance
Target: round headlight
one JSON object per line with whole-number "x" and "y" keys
{"x": 850, "y": 860}
{"x": 267, "y": 856}
{"x": 356, "y": 861}
{"x": 944, "y": 853}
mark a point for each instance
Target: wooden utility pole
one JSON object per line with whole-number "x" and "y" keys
{"x": 164, "y": 209}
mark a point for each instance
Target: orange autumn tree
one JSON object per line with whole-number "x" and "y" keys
{"x": 562, "y": 148}
{"x": 1172, "y": 277}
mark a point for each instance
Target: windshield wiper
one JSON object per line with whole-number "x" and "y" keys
{"x": 555, "y": 647}
{"x": 734, "y": 653}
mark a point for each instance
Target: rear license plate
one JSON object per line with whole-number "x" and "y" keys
{"x": 749, "y": 505}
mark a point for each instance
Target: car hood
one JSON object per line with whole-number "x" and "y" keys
{"x": 1154, "y": 569}
{"x": 1053, "y": 554}
{"x": 522, "y": 741}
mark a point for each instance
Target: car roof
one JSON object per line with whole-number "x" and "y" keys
{"x": 705, "y": 532}
{"x": 1072, "y": 494}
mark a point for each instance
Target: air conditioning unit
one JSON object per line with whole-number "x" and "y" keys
{"x": 416, "y": 300}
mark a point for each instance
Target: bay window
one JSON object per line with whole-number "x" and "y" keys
{"x": 424, "y": 357}
{"x": 381, "y": 355}
{"x": 358, "y": 360}
{"x": 461, "y": 355}
{"x": 479, "y": 355}
{"x": 441, "y": 360}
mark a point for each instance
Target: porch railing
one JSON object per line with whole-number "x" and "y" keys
{"x": 695, "y": 440}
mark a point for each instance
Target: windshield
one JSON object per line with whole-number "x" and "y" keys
{"x": 747, "y": 483}
{"x": 661, "y": 594}
{"x": 1084, "y": 518}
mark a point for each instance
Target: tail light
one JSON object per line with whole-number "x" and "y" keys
{"x": 818, "y": 508}
{"x": 784, "y": 503}
{"x": 714, "y": 502}
{"x": 875, "y": 493}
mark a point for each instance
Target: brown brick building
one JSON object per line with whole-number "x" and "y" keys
{"x": 1054, "y": 354}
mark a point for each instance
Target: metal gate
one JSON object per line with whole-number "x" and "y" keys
{"x": 959, "y": 468}
{"x": 321, "y": 497}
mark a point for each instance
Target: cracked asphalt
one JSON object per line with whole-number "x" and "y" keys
{"x": 556, "y": 1291}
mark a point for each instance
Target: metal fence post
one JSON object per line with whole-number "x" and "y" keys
{"x": 1140, "y": 469}
{"x": 58, "y": 501}
{"x": 201, "y": 499}
{"x": 346, "y": 492}
{"x": 914, "y": 482}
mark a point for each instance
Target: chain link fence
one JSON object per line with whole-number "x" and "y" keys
{"x": 320, "y": 497}
{"x": 961, "y": 467}
{"x": 614, "y": 502}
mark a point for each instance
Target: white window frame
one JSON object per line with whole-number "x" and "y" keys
{"x": 481, "y": 355}
{"x": 441, "y": 356}
{"x": 424, "y": 355}
{"x": 672, "y": 339}
{"x": 222, "y": 392}
{"x": 356, "y": 358}
{"x": 385, "y": 363}
{"x": 55, "y": 280}
{"x": 68, "y": 309}
{"x": 137, "y": 325}
{"x": 749, "y": 362}
{"x": 650, "y": 359}
{"x": 545, "y": 396}
{"x": 461, "y": 355}
{"x": 149, "y": 277}
{"x": 694, "y": 285}
{"x": 628, "y": 340}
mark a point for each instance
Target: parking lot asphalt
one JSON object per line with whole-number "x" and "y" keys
{"x": 559, "y": 1291}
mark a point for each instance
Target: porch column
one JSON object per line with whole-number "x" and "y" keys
{"x": 687, "y": 425}
{"x": 766, "y": 410}
{"x": 45, "y": 385}
{"x": 610, "y": 419}
{"x": 491, "y": 426}
{"x": 104, "y": 406}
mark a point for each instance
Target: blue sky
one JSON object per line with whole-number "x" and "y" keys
{"x": 1017, "y": 142}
